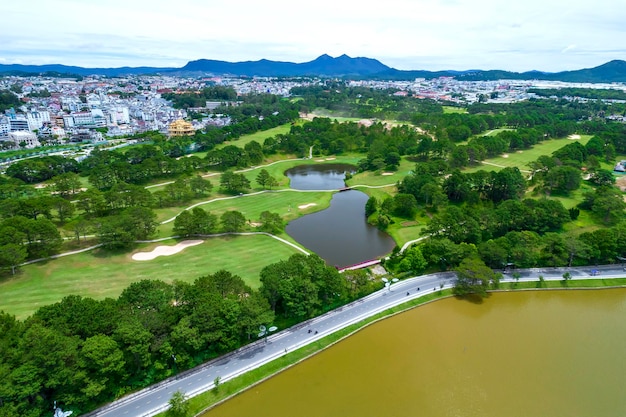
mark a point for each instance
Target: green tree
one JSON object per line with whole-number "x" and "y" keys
{"x": 199, "y": 186}
{"x": 473, "y": 277}
{"x": 232, "y": 221}
{"x": 265, "y": 180}
{"x": 64, "y": 208}
{"x": 234, "y": 183}
{"x": 179, "y": 406}
{"x": 371, "y": 206}
{"x": 404, "y": 205}
{"x": 11, "y": 255}
{"x": 66, "y": 184}
{"x": 271, "y": 222}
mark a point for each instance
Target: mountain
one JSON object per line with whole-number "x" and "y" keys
{"x": 65, "y": 69}
{"x": 324, "y": 65}
{"x": 327, "y": 66}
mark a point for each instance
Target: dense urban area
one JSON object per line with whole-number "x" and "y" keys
{"x": 111, "y": 163}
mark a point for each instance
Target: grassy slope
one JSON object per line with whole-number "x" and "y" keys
{"x": 522, "y": 158}
{"x": 258, "y": 136}
{"x": 100, "y": 274}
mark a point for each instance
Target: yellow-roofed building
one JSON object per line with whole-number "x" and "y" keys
{"x": 180, "y": 128}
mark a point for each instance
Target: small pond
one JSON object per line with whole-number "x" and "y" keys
{"x": 340, "y": 234}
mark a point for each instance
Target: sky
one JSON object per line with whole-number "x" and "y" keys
{"x": 546, "y": 35}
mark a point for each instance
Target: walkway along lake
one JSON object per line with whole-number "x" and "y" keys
{"x": 546, "y": 353}
{"x": 340, "y": 234}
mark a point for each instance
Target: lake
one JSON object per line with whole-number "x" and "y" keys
{"x": 532, "y": 353}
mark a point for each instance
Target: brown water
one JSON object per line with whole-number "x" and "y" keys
{"x": 531, "y": 354}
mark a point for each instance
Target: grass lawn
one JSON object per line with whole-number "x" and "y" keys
{"x": 522, "y": 158}
{"x": 100, "y": 274}
{"x": 285, "y": 203}
{"x": 259, "y": 136}
{"x": 452, "y": 109}
{"x": 377, "y": 178}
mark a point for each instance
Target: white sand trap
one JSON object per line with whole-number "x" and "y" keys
{"x": 165, "y": 250}
{"x": 330, "y": 159}
{"x": 506, "y": 155}
{"x": 387, "y": 173}
{"x": 319, "y": 160}
{"x": 573, "y": 137}
{"x": 302, "y": 207}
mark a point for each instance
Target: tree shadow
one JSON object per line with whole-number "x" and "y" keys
{"x": 473, "y": 298}
{"x": 103, "y": 253}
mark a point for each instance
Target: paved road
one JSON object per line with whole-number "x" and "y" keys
{"x": 154, "y": 399}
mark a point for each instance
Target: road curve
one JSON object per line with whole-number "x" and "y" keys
{"x": 154, "y": 399}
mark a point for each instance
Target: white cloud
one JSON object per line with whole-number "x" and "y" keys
{"x": 409, "y": 34}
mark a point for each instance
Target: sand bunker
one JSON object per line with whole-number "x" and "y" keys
{"x": 330, "y": 159}
{"x": 506, "y": 155}
{"x": 387, "y": 173}
{"x": 165, "y": 250}
{"x": 303, "y": 206}
{"x": 573, "y": 137}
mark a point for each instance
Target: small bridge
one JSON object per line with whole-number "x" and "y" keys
{"x": 360, "y": 265}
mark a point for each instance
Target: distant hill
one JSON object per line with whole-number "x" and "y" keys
{"x": 327, "y": 66}
{"x": 71, "y": 70}
{"x": 324, "y": 65}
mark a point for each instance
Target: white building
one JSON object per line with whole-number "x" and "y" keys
{"x": 84, "y": 118}
{"x": 5, "y": 128}
{"x": 19, "y": 124}
{"x": 28, "y": 138}
{"x": 36, "y": 119}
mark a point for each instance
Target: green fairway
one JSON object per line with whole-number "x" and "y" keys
{"x": 383, "y": 178}
{"x": 259, "y": 136}
{"x": 452, "y": 109}
{"x": 98, "y": 274}
{"x": 522, "y": 158}
{"x": 285, "y": 203}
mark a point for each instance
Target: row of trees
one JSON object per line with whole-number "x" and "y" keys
{"x": 519, "y": 249}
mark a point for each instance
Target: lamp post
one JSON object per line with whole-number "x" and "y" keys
{"x": 265, "y": 331}
{"x": 389, "y": 282}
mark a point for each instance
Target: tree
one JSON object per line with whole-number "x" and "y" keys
{"x": 607, "y": 204}
{"x": 473, "y": 277}
{"x": 602, "y": 177}
{"x": 405, "y": 205}
{"x": 271, "y": 222}
{"x": 63, "y": 207}
{"x": 179, "y": 406}
{"x": 232, "y": 221}
{"x": 234, "y": 183}
{"x": 371, "y": 206}
{"x": 562, "y": 179}
{"x": 66, "y": 184}
{"x": 413, "y": 260}
{"x": 184, "y": 224}
{"x": 11, "y": 255}
{"x": 200, "y": 186}
{"x": 265, "y": 180}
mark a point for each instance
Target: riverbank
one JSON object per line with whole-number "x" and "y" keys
{"x": 207, "y": 400}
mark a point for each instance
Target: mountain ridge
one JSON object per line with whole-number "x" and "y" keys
{"x": 327, "y": 66}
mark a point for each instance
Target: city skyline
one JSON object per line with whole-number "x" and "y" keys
{"x": 404, "y": 34}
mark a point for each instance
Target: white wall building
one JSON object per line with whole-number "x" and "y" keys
{"x": 28, "y": 138}
{"x": 36, "y": 119}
